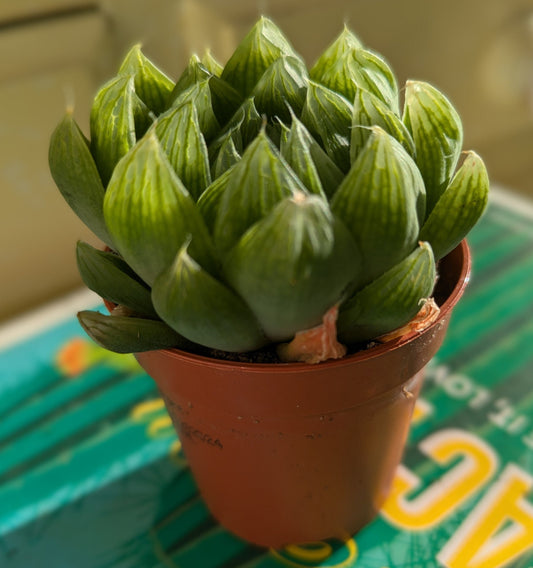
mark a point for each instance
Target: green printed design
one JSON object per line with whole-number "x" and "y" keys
{"x": 152, "y": 496}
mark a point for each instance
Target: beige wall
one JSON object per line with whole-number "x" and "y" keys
{"x": 43, "y": 65}
{"x": 480, "y": 52}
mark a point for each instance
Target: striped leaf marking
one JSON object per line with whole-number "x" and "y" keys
{"x": 438, "y": 135}
{"x": 179, "y": 134}
{"x": 152, "y": 86}
{"x": 210, "y": 199}
{"x": 293, "y": 265}
{"x": 76, "y": 176}
{"x": 123, "y": 334}
{"x": 298, "y": 147}
{"x": 378, "y": 205}
{"x": 116, "y": 115}
{"x": 228, "y": 156}
{"x": 149, "y": 212}
{"x": 362, "y": 69}
{"x": 195, "y": 72}
{"x": 328, "y": 116}
{"x": 368, "y": 111}
{"x": 263, "y": 44}
{"x": 257, "y": 182}
{"x": 295, "y": 150}
{"x": 203, "y": 309}
{"x": 345, "y": 43}
{"x": 282, "y": 87}
{"x": 391, "y": 300}
{"x": 459, "y": 207}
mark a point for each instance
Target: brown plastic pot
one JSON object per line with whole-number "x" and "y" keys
{"x": 294, "y": 453}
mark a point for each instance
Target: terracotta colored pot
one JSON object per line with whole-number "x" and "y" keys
{"x": 294, "y": 453}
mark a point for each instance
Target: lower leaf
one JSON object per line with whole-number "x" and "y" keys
{"x": 391, "y": 300}
{"x": 123, "y": 334}
{"x": 459, "y": 207}
{"x": 293, "y": 265}
{"x": 112, "y": 279}
{"x": 203, "y": 309}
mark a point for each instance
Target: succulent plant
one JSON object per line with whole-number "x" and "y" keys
{"x": 244, "y": 204}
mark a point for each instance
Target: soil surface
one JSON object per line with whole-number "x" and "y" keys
{"x": 266, "y": 355}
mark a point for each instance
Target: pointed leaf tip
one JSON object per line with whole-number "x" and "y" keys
{"x": 248, "y": 196}
{"x": 150, "y": 213}
{"x": 152, "y": 86}
{"x": 437, "y": 132}
{"x": 328, "y": 116}
{"x": 391, "y": 300}
{"x": 377, "y": 201}
{"x": 263, "y": 44}
{"x": 203, "y": 309}
{"x": 293, "y": 265}
{"x": 179, "y": 133}
{"x": 76, "y": 176}
{"x": 459, "y": 207}
{"x": 112, "y": 279}
{"x": 122, "y": 334}
{"x": 117, "y": 116}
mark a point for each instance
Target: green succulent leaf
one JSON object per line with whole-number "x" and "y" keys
{"x": 377, "y": 77}
{"x": 150, "y": 214}
{"x": 199, "y": 95}
{"x": 152, "y": 86}
{"x": 125, "y": 334}
{"x": 224, "y": 98}
{"x": 330, "y": 175}
{"x": 211, "y": 64}
{"x": 282, "y": 87}
{"x": 345, "y": 43}
{"x": 208, "y": 92}
{"x": 294, "y": 148}
{"x": 112, "y": 279}
{"x": 203, "y": 309}
{"x": 438, "y": 135}
{"x": 195, "y": 72}
{"x": 247, "y": 122}
{"x": 459, "y": 207}
{"x": 297, "y": 140}
{"x": 117, "y": 115}
{"x": 293, "y": 265}
{"x": 263, "y": 44}
{"x": 227, "y": 157}
{"x": 247, "y": 200}
{"x": 391, "y": 300}
{"x": 378, "y": 205}
{"x": 328, "y": 116}
{"x": 75, "y": 174}
{"x": 368, "y": 111}
{"x": 257, "y": 182}
{"x": 209, "y": 201}
{"x": 361, "y": 69}
{"x": 414, "y": 180}
{"x": 231, "y": 131}
{"x": 179, "y": 133}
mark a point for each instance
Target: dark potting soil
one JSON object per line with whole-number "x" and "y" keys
{"x": 267, "y": 355}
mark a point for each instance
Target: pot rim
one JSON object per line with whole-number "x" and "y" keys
{"x": 363, "y": 355}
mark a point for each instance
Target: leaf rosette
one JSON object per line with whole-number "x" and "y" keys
{"x": 244, "y": 202}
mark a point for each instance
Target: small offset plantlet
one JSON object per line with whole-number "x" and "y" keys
{"x": 262, "y": 203}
